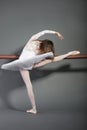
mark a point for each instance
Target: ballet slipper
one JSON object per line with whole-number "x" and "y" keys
{"x": 74, "y": 52}
{"x": 31, "y": 111}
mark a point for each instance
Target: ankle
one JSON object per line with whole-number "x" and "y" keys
{"x": 34, "y": 107}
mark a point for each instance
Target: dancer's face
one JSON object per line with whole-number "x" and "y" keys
{"x": 36, "y": 46}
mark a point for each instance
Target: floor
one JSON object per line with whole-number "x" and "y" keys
{"x": 44, "y": 120}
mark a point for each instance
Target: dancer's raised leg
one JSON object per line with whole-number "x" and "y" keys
{"x": 26, "y": 77}
{"x": 61, "y": 57}
{"x": 56, "y": 58}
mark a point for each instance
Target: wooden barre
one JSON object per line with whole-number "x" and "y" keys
{"x": 79, "y": 56}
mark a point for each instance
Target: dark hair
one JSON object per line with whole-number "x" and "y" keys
{"x": 46, "y": 46}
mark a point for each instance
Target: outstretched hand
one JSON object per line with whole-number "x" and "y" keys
{"x": 59, "y": 36}
{"x": 74, "y": 52}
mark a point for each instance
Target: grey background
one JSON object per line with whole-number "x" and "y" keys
{"x": 60, "y": 88}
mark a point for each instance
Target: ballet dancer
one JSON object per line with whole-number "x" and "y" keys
{"x": 36, "y": 53}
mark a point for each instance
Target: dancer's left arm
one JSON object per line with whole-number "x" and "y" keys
{"x": 36, "y": 36}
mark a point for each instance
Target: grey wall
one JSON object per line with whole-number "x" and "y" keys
{"x": 59, "y": 86}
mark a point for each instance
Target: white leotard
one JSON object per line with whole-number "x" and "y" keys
{"x": 28, "y": 57}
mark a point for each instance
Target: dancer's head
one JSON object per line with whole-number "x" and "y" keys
{"x": 45, "y": 46}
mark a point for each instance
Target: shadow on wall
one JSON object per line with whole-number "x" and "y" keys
{"x": 10, "y": 80}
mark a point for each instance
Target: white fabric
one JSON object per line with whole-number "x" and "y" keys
{"x": 28, "y": 57}
{"x": 26, "y": 61}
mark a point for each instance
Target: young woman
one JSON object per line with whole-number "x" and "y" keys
{"x": 36, "y": 53}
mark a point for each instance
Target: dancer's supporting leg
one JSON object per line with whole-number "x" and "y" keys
{"x": 26, "y": 77}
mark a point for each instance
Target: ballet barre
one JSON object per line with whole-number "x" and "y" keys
{"x": 79, "y": 56}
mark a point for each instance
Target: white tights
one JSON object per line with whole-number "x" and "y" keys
{"x": 26, "y": 77}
